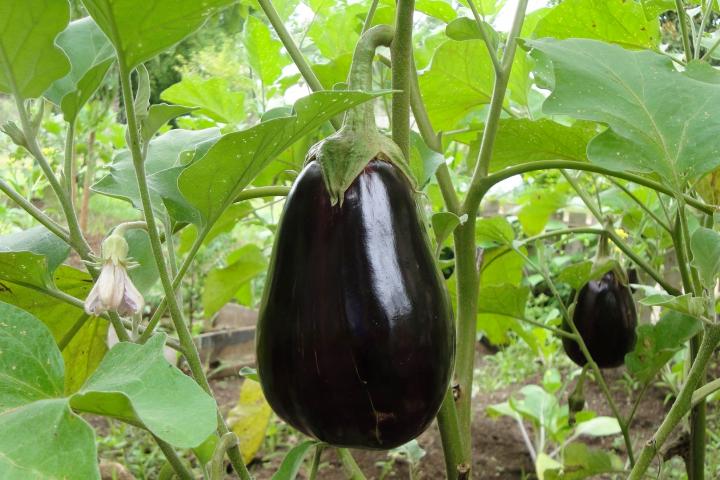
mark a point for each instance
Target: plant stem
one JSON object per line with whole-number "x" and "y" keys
{"x": 682, "y": 18}
{"x": 35, "y": 212}
{"x": 619, "y": 241}
{"x": 183, "y": 332}
{"x": 491, "y": 50}
{"x": 217, "y": 463}
{"x": 174, "y": 461}
{"x": 87, "y": 181}
{"x": 706, "y": 390}
{"x": 369, "y": 17}
{"x": 641, "y": 204}
{"x": 402, "y": 62}
{"x": 706, "y": 14}
{"x": 351, "y": 466}
{"x": 74, "y": 329}
{"x": 682, "y": 403}
{"x": 452, "y": 442}
{"x": 315, "y": 465}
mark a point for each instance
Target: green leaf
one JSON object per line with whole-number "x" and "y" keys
{"x": 464, "y": 28}
{"x": 616, "y": 21}
{"x": 705, "y": 246}
{"x": 46, "y": 440}
{"x": 212, "y": 96}
{"x": 158, "y": 115}
{"x": 213, "y": 182}
{"x": 222, "y": 283}
{"x": 336, "y": 27}
{"x": 41, "y": 437}
{"x": 659, "y": 118}
{"x": 424, "y": 162}
{"x": 166, "y": 157}
{"x": 292, "y": 462}
{"x": 658, "y": 343}
{"x": 91, "y": 55}
{"x": 493, "y": 231}
{"x": 443, "y": 224}
{"x": 31, "y": 256}
{"x": 145, "y": 274}
{"x": 538, "y": 205}
{"x": 581, "y": 461}
{"x": 578, "y": 275}
{"x": 141, "y": 29}
{"x": 459, "y": 80}
{"x": 29, "y": 59}
{"x": 263, "y": 51}
{"x": 505, "y": 299}
{"x": 693, "y": 306}
{"x": 31, "y": 366}
{"x": 598, "y": 427}
{"x": 83, "y": 354}
{"x": 333, "y": 72}
{"x": 136, "y": 384}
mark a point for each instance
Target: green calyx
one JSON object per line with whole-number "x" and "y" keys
{"x": 343, "y": 155}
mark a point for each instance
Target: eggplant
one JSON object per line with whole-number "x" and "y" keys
{"x": 606, "y": 319}
{"x": 355, "y": 339}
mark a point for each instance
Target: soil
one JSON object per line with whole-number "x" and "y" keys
{"x": 499, "y": 451}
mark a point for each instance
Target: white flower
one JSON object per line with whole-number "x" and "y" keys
{"x": 114, "y": 290}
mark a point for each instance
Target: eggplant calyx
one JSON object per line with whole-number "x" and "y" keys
{"x": 345, "y": 154}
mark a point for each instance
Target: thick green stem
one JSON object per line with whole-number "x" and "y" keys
{"x": 402, "y": 62}
{"x": 183, "y": 332}
{"x": 180, "y": 469}
{"x": 682, "y": 403}
{"x": 682, "y": 19}
{"x": 452, "y": 442}
{"x": 70, "y": 334}
{"x": 227, "y": 441}
{"x": 706, "y": 390}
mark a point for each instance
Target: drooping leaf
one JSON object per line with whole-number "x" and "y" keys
{"x": 581, "y": 461}
{"x": 31, "y": 256}
{"x": 29, "y": 59}
{"x": 493, "y": 232}
{"x": 212, "y": 96}
{"x": 249, "y": 419}
{"x": 221, "y": 284}
{"x": 506, "y": 300}
{"x": 464, "y": 28}
{"x": 616, "y": 21}
{"x": 443, "y": 224}
{"x": 424, "y": 162}
{"x": 158, "y": 115}
{"x": 91, "y": 55}
{"x": 578, "y": 275}
{"x": 659, "y": 119}
{"x": 687, "y": 304}
{"x": 657, "y": 344}
{"x": 141, "y": 29}
{"x": 136, "y": 384}
{"x": 145, "y": 274}
{"x": 213, "y": 182}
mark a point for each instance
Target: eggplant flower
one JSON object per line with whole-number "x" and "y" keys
{"x": 114, "y": 290}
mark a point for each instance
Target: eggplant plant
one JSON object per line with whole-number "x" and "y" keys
{"x": 336, "y": 164}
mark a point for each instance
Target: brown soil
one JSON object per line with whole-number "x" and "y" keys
{"x": 499, "y": 451}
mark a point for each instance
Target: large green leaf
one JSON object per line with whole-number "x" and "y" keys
{"x": 459, "y": 80}
{"x": 705, "y": 246}
{"x": 29, "y": 59}
{"x": 140, "y": 29}
{"x": 41, "y": 438}
{"x": 31, "y": 256}
{"x": 336, "y": 26}
{"x": 83, "y": 354}
{"x": 91, "y": 55}
{"x": 136, "y": 384}
{"x": 213, "y": 96}
{"x": 616, "y": 21}
{"x": 213, "y": 182}
{"x": 46, "y": 440}
{"x": 166, "y": 157}
{"x": 660, "y": 120}
{"x": 263, "y": 51}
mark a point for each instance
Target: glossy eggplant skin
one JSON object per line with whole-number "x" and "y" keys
{"x": 355, "y": 340}
{"x": 606, "y": 318}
